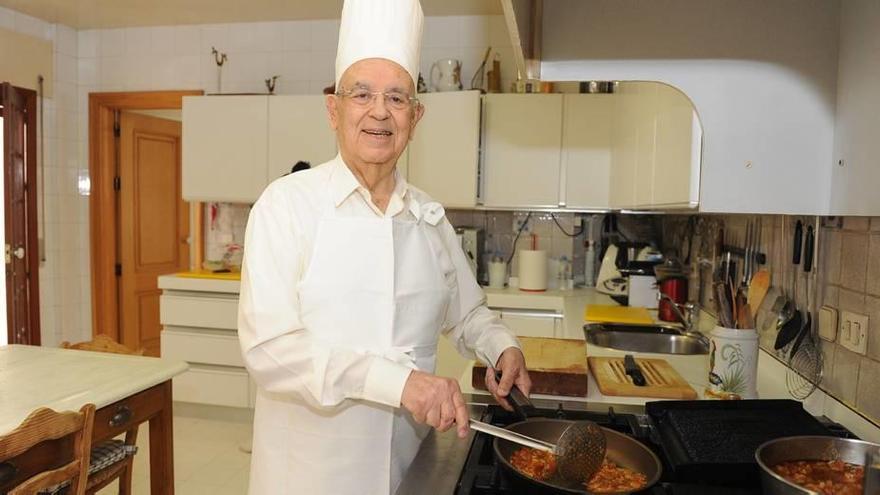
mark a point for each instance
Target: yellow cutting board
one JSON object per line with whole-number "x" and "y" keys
{"x": 211, "y": 275}
{"x": 556, "y": 366}
{"x": 617, "y": 314}
{"x": 663, "y": 382}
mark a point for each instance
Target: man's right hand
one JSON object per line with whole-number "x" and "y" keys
{"x": 435, "y": 401}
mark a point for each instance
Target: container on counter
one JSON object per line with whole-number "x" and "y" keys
{"x": 497, "y": 273}
{"x": 733, "y": 363}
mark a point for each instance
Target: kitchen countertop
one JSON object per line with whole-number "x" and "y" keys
{"x": 66, "y": 379}
{"x": 191, "y": 284}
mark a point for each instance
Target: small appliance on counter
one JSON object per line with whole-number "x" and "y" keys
{"x": 673, "y": 281}
{"x": 472, "y": 242}
{"x": 621, "y": 261}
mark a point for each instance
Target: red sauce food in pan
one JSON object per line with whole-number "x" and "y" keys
{"x": 825, "y": 477}
{"x": 610, "y": 478}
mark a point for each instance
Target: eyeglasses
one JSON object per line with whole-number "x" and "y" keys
{"x": 363, "y": 97}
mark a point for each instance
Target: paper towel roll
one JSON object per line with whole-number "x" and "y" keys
{"x": 533, "y": 270}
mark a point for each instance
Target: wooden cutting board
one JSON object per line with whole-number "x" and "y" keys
{"x": 663, "y": 381}
{"x": 556, "y": 366}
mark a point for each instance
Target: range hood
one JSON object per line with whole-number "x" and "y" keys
{"x": 524, "y": 19}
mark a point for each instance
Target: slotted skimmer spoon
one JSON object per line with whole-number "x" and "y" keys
{"x": 579, "y": 451}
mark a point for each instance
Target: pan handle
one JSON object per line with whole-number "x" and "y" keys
{"x": 521, "y": 404}
{"x": 512, "y": 436}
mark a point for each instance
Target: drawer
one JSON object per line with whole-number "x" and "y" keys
{"x": 213, "y": 385}
{"x": 195, "y": 311}
{"x": 530, "y": 323}
{"x": 201, "y": 346}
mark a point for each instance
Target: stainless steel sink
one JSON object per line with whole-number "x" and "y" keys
{"x": 661, "y": 339}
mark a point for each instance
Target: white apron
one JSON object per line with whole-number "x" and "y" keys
{"x": 375, "y": 285}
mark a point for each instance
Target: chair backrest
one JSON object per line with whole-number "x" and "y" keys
{"x": 103, "y": 343}
{"x": 45, "y": 424}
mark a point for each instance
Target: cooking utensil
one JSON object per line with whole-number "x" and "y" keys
{"x": 725, "y": 309}
{"x": 805, "y": 329}
{"x": 798, "y": 239}
{"x": 579, "y": 448}
{"x": 662, "y": 381}
{"x": 620, "y": 449}
{"x": 806, "y": 361}
{"x": 789, "y": 330}
{"x": 632, "y": 369}
{"x": 758, "y": 290}
{"x": 801, "y": 448}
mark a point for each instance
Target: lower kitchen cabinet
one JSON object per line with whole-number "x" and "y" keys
{"x": 200, "y": 327}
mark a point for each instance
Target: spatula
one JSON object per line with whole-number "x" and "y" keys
{"x": 758, "y": 290}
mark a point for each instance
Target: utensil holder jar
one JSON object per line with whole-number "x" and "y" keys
{"x": 733, "y": 363}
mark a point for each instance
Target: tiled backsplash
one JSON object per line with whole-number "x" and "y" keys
{"x": 847, "y": 278}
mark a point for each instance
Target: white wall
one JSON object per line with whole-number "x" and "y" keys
{"x": 65, "y": 299}
{"x": 762, "y": 76}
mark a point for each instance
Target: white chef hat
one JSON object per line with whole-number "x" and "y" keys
{"x": 390, "y": 29}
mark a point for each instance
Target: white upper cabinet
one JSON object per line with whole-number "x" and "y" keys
{"x": 224, "y": 148}
{"x": 522, "y": 138}
{"x": 298, "y": 130}
{"x": 679, "y": 139}
{"x": 444, "y": 154}
{"x": 586, "y": 150}
{"x": 855, "y": 166}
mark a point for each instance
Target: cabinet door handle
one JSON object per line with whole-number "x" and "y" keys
{"x": 122, "y": 416}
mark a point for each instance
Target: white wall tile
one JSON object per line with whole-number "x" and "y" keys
{"x": 187, "y": 40}
{"x": 87, "y": 72}
{"x": 295, "y": 65}
{"x": 66, "y": 40}
{"x": 87, "y": 43}
{"x": 322, "y": 66}
{"x": 112, "y": 73}
{"x": 214, "y": 35}
{"x": 268, "y": 36}
{"x": 111, "y": 42}
{"x": 162, "y": 73}
{"x": 138, "y": 72}
{"x": 162, "y": 40}
{"x": 65, "y": 68}
{"x": 186, "y": 71}
{"x": 325, "y": 34}
{"x": 138, "y": 40}
{"x": 288, "y": 87}
{"x": 442, "y": 32}
{"x": 296, "y": 35}
{"x": 474, "y": 31}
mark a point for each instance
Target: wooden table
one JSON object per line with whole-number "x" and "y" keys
{"x": 127, "y": 390}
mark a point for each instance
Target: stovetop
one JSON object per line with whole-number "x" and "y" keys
{"x": 482, "y": 476}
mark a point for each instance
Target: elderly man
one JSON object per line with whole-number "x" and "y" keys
{"x": 350, "y": 276}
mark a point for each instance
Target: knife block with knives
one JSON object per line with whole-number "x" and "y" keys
{"x": 660, "y": 380}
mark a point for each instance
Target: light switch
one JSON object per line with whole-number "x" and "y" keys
{"x": 828, "y": 323}
{"x": 854, "y": 332}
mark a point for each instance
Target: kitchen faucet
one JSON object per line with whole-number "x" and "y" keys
{"x": 688, "y": 317}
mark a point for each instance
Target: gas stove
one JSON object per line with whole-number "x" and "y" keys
{"x": 480, "y": 474}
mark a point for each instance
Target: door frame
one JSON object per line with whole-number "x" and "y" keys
{"x": 103, "y": 224}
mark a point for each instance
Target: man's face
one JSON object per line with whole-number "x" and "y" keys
{"x": 372, "y": 129}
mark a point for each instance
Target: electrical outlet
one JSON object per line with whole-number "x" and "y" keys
{"x": 518, "y": 222}
{"x": 853, "y": 332}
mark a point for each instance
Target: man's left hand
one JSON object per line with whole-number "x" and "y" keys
{"x": 512, "y": 365}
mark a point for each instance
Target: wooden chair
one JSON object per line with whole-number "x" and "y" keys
{"x": 45, "y": 424}
{"x": 122, "y": 469}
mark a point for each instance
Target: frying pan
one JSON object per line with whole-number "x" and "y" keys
{"x": 621, "y": 449}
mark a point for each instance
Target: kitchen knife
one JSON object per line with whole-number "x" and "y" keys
{"x": 632, "y": 369}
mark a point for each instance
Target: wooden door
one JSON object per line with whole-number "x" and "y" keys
{"x": 154, "y": 223}
{"x": 19, "y": 179}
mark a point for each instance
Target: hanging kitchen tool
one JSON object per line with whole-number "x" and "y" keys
{"x": 789, "y": 330}
{"x": 805, "y": 366}
{"x": 579, "y": 447}
{"x": 758, "y": 290}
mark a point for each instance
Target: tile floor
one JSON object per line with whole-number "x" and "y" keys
{"x": 207, "y": 455}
